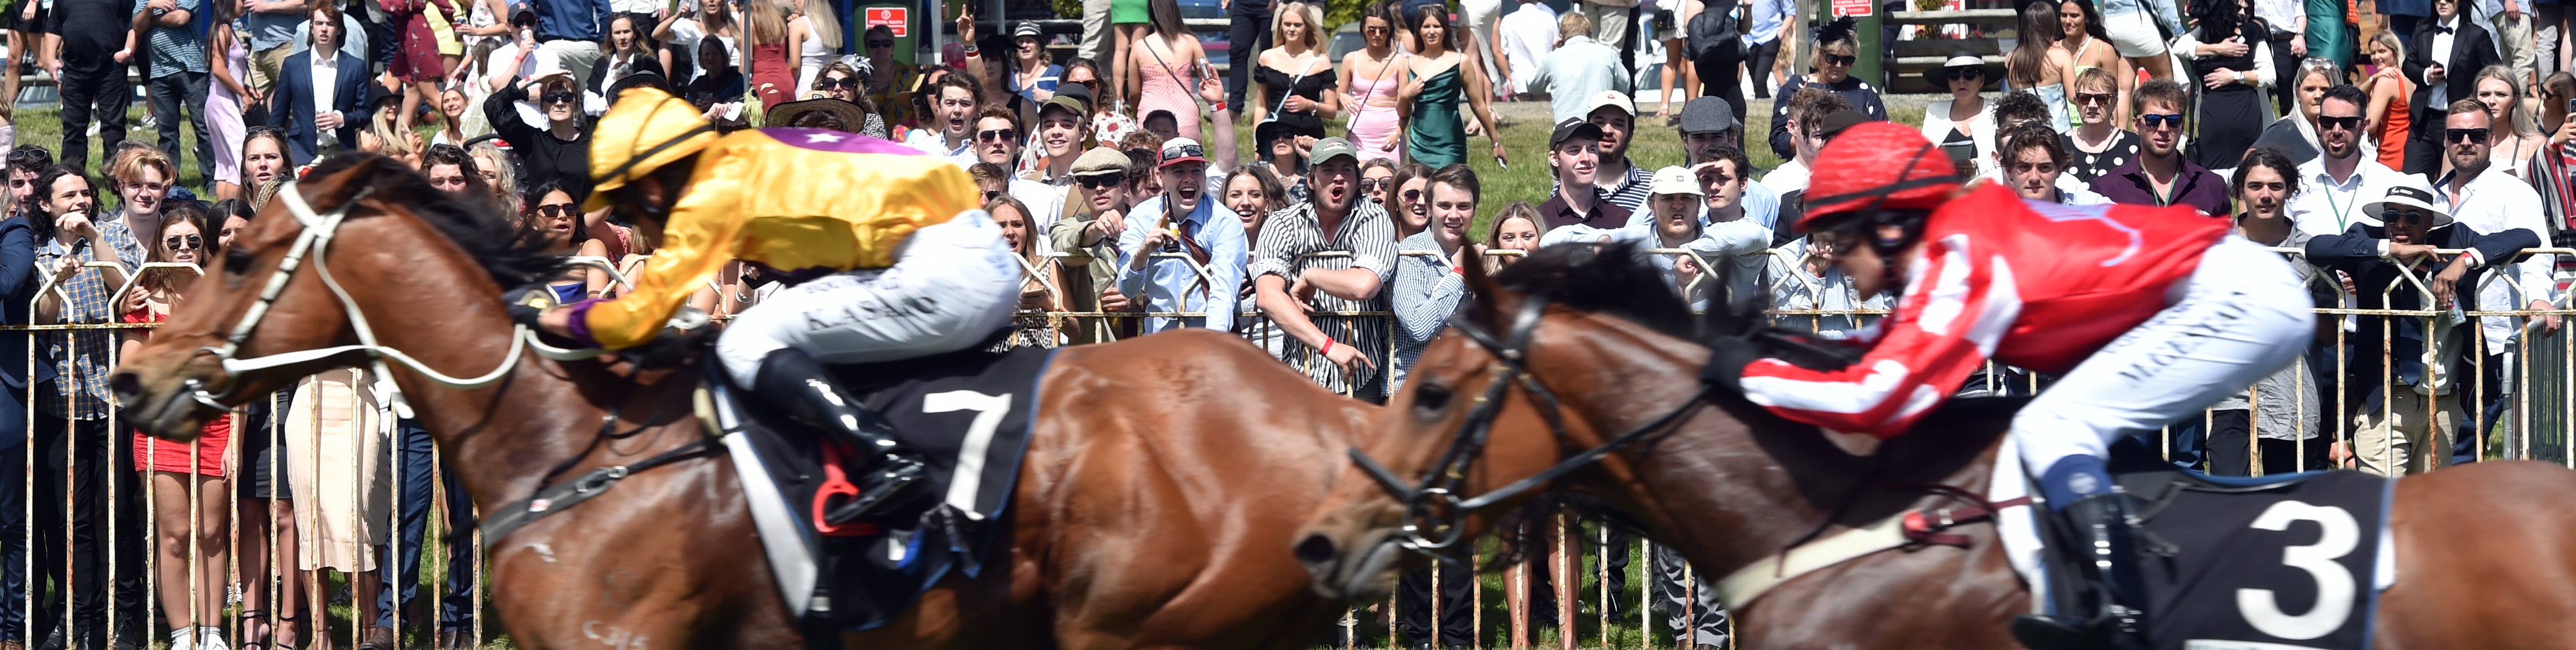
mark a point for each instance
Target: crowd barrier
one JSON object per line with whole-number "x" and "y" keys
{"x": 2534, "y": 423}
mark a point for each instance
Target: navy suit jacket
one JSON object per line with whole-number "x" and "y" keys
{"x": 17, "y": 292}
{"x": 292, "y": 105}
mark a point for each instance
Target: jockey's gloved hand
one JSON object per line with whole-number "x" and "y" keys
{"x": 1727, "y": 357}
{"x": 528, "y": 302}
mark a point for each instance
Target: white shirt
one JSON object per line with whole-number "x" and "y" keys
{"x": 1980, "y": 129}
{"x": 326, "y": 84}
{"x": 2284, "y": 15}
{"x": 2492, "y": 203}
{"x": 2441, "y": 55}
{"x": 1044, "y": 202}
{"x": 929, "y": 141}
{"x": 2325, "y": 206}
{"x": 645, "y": 7}
{"x": 1790, "y": 177}
{"x": 1528, "y": 34}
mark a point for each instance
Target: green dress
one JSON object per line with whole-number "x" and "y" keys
{"x": 2328, "y": 37}
{"x": 1436, "y": 136}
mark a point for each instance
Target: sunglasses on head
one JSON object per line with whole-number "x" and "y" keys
{"x": 558, "y": 209}
{"x": 1841, "y": 61}
{"x": 1100, "y": 181}
{"x": 187, "y": 243}
{"x": 2329, "y": 122}
{"x": 561, "y": 97}
{"x": 2154, "y": 120}
{"x": 2474, "y": 136}
{"x": 1185, "y": 151}
{"x": 1004, "y": 135}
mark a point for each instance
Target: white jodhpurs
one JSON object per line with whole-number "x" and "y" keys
{"x": 2240, "y": 317}
{"x": 952, "y": 285}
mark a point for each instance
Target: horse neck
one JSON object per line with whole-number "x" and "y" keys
{"x": 1733, "y": 483}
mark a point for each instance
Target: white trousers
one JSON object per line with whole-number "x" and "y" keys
{"x": 952, "y": 285}
{"x": 2240, "y": 317}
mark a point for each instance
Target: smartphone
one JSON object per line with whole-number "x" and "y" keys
{"x": 2571, "y": 107}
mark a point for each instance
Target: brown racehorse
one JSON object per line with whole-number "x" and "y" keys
{"x": 2480, "y": 550}
{"x": 1166, "y": 476}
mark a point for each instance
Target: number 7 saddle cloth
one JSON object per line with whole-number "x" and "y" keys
{"x": 968, "y": 415}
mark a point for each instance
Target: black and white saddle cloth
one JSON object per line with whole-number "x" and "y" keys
{"x": 2289, "y": 562}
{"x": 968, "y": 414}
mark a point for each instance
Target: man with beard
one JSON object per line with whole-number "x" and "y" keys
{"x": 1622, "y": 184}
{"x": 2334, "y": 185}
{"x": 1182, "y": 221}
{"x": 2490, "y": 201}
{"x": 2161, "y": 176}
{"x": 1292, "y": 279}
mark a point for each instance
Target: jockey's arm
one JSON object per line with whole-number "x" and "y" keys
{"x": 698, "y": 241}
{"x": 1938, "y": 335}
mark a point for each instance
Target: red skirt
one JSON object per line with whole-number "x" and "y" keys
{"x": 206, "y": 456}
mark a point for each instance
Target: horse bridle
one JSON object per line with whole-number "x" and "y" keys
{"x": 315, "y": 241}
{"x": 1432, "y": 509}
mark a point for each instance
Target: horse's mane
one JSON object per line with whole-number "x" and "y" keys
{"x": 475, "y": 226}
{"x": 1610, "y": 281}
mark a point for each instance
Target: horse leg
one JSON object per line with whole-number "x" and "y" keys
{"x": 2481, "y": 560}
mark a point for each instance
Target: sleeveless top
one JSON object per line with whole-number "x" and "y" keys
{"x": 1276, "y": 86}
{"x": 812, "y": 58}
{"x": 1438, "y": 135}
{"x": 2393, "y": 130}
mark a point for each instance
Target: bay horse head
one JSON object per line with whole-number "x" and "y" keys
{"x": 1578, "y": 370}
{"x": 359, "y": 237}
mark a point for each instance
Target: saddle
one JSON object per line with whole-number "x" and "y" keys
{"x": 969, "y": 414}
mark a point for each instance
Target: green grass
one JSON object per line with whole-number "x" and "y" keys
{"x": 43, "y": 127}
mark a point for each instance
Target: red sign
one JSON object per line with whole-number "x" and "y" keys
{"x": 1841, "y": 7}
{"x": 893, "y": 18}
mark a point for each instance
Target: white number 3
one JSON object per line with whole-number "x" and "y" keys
{"x": 2334, "y": 584}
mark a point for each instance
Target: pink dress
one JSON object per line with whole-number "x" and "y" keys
{"x": 1166, "y": 89}
{"x": 1374, "y": 126}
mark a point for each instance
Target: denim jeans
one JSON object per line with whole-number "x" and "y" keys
{"x": 172, "y": 91}
{"x": 412, "y": 483}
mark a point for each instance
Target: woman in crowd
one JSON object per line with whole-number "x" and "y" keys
{"x": 1373, "y": 75}
{"x": 263, "y": 512}
{"x": 1428, "y": 288}
{"x": 1516, "y": 228}
{"x": 559, "y": 153}
{"x": 629, "y": 52}
{"x": 2553, "y": 165}
{"x": 769, "y": 59}
{"x": 227, "y": 64}
{"x": 1039, "y": 279}
{"x": 2280, "y": 412}
{"x": 2087, "y": 47}
{"x": 2098, "y": 145}
{"x": 1435, "y": 134}
{"x": 719, "y": 91}
{"x": 1107, "y": 123}
{"x": 556, "y": 220}
{"x": 2307, "y": 84}
{"x": 2038, "y": 65}
{"x": 1295, "y": 85}
{"x": 845, "y": 82}
{"x": 2388, "y": 116}
{"x": 889, "y": 79}
{"x": 1377, "y": 177}
{"x": 1284, "y": 160}
{"x": 1964, "y": 123}
{"x": 2233, "y": 76}
{"x": 263, "y": 160}
{"x": 1169, "y": 65}
{"x": 500, "y": 174}
{"x": 1033, "y": 76}
{"x": 1406, "y": 199}
{"x": 386, "y": 135}
{"x": 1128, "y": 22}
{"x": 2511, "y": 142}
{"x": 1836, "y": 51}
{"x": 1680, "y": 73}
{"x": 1252, "y": 192}
{"x": 817, "y": 34}
{"x": 191, "y": 507}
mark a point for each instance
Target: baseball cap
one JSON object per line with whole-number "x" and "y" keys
{"x": 1571, "y": 128}
{"x": 1181, "y": 150}
{"x": 1333, "y": 147}
{"x": 1027, "y": 29}
{"x": 2405, "y": 197}
{"x": 1707, "y": 115}
{"x": 1835, "y": 123}
{"x": 1099, "y": 161}
{"x": 1675, "y": 180}
{"x": 1073, "y": 98}
{"x": 1609, "y": 98}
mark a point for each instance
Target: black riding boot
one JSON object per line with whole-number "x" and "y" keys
{"x": 2113, "y": 614}
{"x": 888, "y": 475}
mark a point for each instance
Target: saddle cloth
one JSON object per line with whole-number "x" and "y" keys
{"x": 968, "y": 414}
{"x": 2286, "y": 562}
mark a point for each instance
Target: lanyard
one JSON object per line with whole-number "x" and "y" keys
{"x": 2341, "y": 209}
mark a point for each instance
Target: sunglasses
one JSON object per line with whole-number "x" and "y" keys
{"x": 880, "y": 44}
{"x": 558, "y": 209}
{"x": 844, "y": 83}
{"x": 2094, "y": 98}
{"x": 990, "y": 195}
{"x": 1000, "y": 135}
{"x": 1100, "y": 181}
{"x": 1841, "y": 61}
{"x": 1412, "y": 195}
{"x": 2154, "y": 120}
{"x": 2329, "y": 122}
{"x": 188, "y": 243}
{"x": 1964, "y": 74}
{"x": 2474, "y": 136}
{"x": 561, "y": 97}
{"x": 1372, "y": 184}
{"x": 2408, "y": 217}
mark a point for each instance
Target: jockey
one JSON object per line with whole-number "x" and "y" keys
{"x": 888, "y": 254}
{"x": 2146, "y": 314}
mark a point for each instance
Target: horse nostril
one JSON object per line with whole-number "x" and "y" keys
{"x": 126, "y": 386}
{"x": 1316, "y": 549}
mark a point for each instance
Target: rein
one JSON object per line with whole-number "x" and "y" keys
{"x": 1434, "y": 506}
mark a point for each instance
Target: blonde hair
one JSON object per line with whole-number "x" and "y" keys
{"x": 1314, "y": 15}
{"x": 823, "y": 24}
{"x": 2396, "y": 46}
{"x": 504, "y": 184}
{"x": 767, "y": 20}
{"x": 2095, "y": 77}
{"x": 2512, "y": 118}
{"x": 1573, "y": 24}
{"x": 130, "y": 162}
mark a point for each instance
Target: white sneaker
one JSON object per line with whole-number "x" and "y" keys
{"x": 183, "y": 639}
{"x": 213, "y": 639}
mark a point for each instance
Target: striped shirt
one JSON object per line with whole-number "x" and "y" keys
{"x": 1427, "y": 289}
{"x": 177, "y": 49}
{"x": 1630, "y": 191}
{"x": 1292, "y": 241}
{"x": 82, "y": 357}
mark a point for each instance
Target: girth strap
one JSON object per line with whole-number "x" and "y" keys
{"x": 554, "y": 498}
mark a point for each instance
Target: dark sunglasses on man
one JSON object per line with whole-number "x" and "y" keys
{"x": 2407, "y": 217}
{"x": 2474, "y": 136}
{"x": 2095, "y": 98}
{"x": 2329, "y": 123}
{"x": 1100, "y": 181}
{"x": 1000, "y": 135}
{"x": 2153, "y": 120}
{"x": 873, "y": 45}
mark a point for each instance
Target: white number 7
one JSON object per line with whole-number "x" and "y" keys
{"x": 989, "y": 410}
{"x": 2261, "y": 607}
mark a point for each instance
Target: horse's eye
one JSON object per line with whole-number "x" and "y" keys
{"x": 236, "y": 261}
{"x": 1431, "y": 399}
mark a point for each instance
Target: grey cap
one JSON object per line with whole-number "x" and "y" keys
{"x": 1707, "y": 115}
{"x": 1330, "y": 148}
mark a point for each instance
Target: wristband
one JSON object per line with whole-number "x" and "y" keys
{"x": 1328, "y": 348}
{"x": 1218, "y": 107}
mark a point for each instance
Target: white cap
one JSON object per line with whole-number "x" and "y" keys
{"x": 1609, "y": 98}
{"x": 1674, "y": 180}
